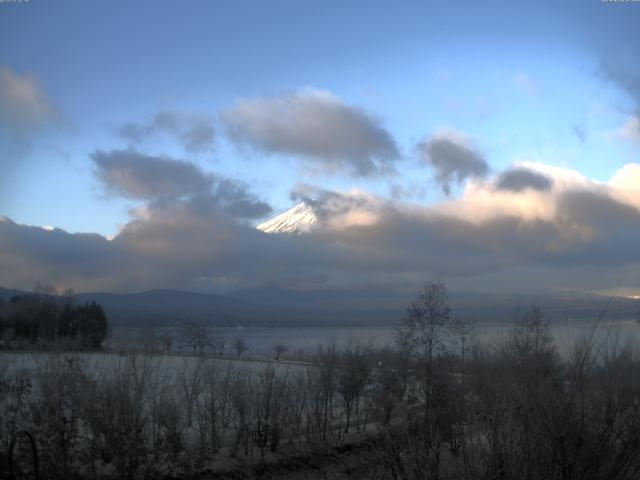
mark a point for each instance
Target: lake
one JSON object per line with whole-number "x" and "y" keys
{"x": 261, "y": 340}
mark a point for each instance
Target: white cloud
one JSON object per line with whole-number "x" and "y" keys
{"x": 626, "y": 184}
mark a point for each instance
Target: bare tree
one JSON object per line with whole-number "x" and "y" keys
{"x": 530, "y": 348}
{"x": 240, "y": 346}
{"x": 272, "y": 403}
{"x": 218, "y": 342}
{"x": 352, "y": 379}
{"x": 214, "y": 408}
{"x": 148, "y": 339}
{"x": 190, "y": 384}
{"x": 195, "y": 336}
{"x": 327, "y": 383}
{"x": 58, "y": 412}
{"x": 280, "y": 349}
{"x": 425, "y": 330}
{"x": 166, "y": 340}
{"x": 388, "y": 389}
{"x": 117, "y": 415}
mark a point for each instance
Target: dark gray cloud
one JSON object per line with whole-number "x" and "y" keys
{"x": 519, "y": 179}
{"x": 135, "y": 175}
{"x": 626, "y": 75}
{"x": 237, "y": 201}
{"x": 327, "y": 203}
{"x": 452, "y": 159}
{"x": 55, "y": 256}
{"x": 195, "y": 242}
{"x": 328, "y": 135}
{"x": 194, "y": 131}
{"x": 162, "y": 180}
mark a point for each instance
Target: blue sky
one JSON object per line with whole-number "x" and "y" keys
{"x": 419, "y": 67}
{"x": 520, "y": 81}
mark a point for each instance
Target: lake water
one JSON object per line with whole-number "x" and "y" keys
{"x": 262, "y": 340}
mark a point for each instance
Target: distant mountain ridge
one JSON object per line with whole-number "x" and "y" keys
{"x": 281, "y": 307}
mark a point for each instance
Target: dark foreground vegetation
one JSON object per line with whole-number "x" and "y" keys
{"x": 43, "y": 320}
{"x": 438, "y": 406}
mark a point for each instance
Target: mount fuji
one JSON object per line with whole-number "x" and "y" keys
{"x": 299, "y": 219}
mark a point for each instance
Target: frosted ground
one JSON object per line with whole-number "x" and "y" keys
{"x": 105, "y": 363}
{"x": 615, "y": 334}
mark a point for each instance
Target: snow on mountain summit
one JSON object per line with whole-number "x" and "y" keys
{"x": 298, "y": 219}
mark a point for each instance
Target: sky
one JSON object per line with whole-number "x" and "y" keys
{"x": 494, "y": 145}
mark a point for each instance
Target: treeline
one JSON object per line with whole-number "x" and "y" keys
{"x": 440, "y": 405}
{"x": 41, "y": 320}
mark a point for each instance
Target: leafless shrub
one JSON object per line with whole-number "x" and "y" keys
{"x": 218, "y": 342}
{"x": 240, "y": 346}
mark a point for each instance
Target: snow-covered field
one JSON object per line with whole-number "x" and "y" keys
{"x": 103, "y": 363}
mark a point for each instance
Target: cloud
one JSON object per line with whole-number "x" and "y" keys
{"x": 23, "y": 103}
{"x": 327, "y": 203}
{"x": 194, "y": 131}
{"x": 630, "y": 130}
{"x": 25, "y": 111}
{"x": 162, "y": 180}
{"x": 177, "y": 244}
{"x": 625, "y": 184}
{"x": 237, "y": 201}
{"x": 626, "y": 78}
{"x": 32, "y": 254}
{"x": 452, "y": 158}
{"x": 135, "y": 175}
{"x": 482, "y": 201}
{"x": 329, "y": 135}
{"x": 518, "y": 179}
{"x": 549, "y": 238}
{"x": 629, "y": 81}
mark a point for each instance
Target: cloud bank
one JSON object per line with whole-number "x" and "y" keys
{"x": 576, "y": 234}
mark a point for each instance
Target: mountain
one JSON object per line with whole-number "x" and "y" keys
{"x": 171, "y": 307}
{"x": 298, "y": 219}
{"x": 285, "y": 307}
{"x": 383, "y": 307}
{"x": 7, "y": 293}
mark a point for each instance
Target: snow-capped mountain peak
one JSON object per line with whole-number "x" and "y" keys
{"x": 298, "y": 219}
